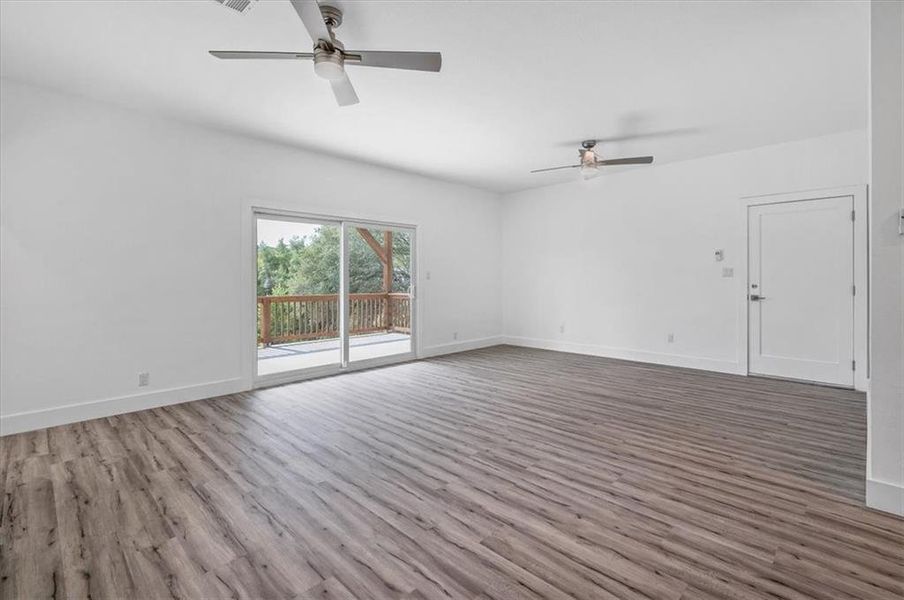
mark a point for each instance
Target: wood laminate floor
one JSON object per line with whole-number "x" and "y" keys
{"x": 503, "y": 473}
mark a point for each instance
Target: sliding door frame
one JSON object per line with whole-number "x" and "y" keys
{"x": 348, "y": 225}
{"x": 250, "y": 312}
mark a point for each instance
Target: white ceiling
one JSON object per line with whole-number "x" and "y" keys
{"x": 522, "y": 81}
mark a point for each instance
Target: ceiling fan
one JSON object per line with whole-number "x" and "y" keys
{"x": 591, "y": 162}
{"x": 330, "y": 56}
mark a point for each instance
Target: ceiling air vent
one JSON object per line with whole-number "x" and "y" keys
{"x": 241, "y": 6}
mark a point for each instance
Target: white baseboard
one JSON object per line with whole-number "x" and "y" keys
{"x": 674, "y": 360}
{"x": 453, "y": 347}
{"x": 72, "y": 413}
{"x": 885, "y": 496}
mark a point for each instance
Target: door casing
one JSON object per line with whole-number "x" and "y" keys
{"x": 861, "y": 277}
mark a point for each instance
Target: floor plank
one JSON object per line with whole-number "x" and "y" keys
{"x": 504, "y": 473}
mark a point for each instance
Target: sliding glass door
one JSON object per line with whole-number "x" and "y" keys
{"x": 331, "y": 295}
{"x": 379, "y": 291}
{"x": 298, "y": 280}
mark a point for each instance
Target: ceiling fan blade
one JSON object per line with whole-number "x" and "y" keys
{"x": 603, "y": 140}
{"x": 415, "y": 61}
{"x": 555, "y": 168}
{"x": 636, "y": 160}
{"x": 241, "y": 54}
{"x": 309, "y": 11}
{"x": 344, "y": 91}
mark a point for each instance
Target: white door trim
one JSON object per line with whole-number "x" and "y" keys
{"x": 861, "y": 271}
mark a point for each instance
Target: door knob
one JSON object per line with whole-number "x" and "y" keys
{"x": 757, "y": 297}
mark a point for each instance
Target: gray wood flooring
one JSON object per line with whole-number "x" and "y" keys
{"x": 503, "y": 473}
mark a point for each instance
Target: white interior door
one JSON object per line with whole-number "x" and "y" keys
{"x": 801, "y": 290}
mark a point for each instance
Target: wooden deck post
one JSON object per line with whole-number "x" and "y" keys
{"x": 265, "y": 320}
{"x": 387, "y": 278}
{"x": 384, "y": 253}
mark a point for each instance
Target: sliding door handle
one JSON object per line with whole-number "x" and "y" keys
{"x": 756, "y": 297}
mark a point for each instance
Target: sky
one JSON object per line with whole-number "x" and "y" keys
{"x": 270, "y": 231}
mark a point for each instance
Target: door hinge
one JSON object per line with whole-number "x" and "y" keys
{"x": 853, "y": 290}
{"x": 853, "y": 212}
{"x": 853, "y": 365}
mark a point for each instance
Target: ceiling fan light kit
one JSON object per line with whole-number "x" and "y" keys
{"x": 589, "y": 171}
{"x": 329, "y": 55}
{"x": 329, "y": 64}
{"x": 591, "y": 162}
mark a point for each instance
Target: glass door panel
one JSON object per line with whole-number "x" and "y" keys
{"x": 298, "y": 281}
{"x": 379, "y": 291}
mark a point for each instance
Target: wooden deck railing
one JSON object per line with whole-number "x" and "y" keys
{"x": 283, "y": 319}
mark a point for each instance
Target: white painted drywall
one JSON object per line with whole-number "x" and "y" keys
{"x": 885, "y": 467}
{"x": 621, "y": 261}
{"x": 122, "y": 248}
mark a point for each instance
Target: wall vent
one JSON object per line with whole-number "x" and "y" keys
{"x": 241, "y": 6}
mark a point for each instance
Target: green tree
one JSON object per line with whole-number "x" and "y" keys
{"x": 276, "y": 266}
{"x": 311, "y": 265}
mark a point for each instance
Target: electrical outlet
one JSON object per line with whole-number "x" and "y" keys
{"x": 727, "y": 272}
{"x": 454, "y": 335}
{"x": 144, "y": 379}
{"x": 562, "y": 328}
{"x": 671, "y": 338}
{"x": 428, "y": 275}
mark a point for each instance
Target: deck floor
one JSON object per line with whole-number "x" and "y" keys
{"x": 294, "y": 356}
{"x": 503, "y": 473}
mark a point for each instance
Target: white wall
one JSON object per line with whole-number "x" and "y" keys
{"x": 122, "y": 248}
{"x": 885, "y": 467}
{"x": 623, "y": 260}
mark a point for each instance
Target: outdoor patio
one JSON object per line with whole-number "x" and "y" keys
{"x": 302, "y": 355}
